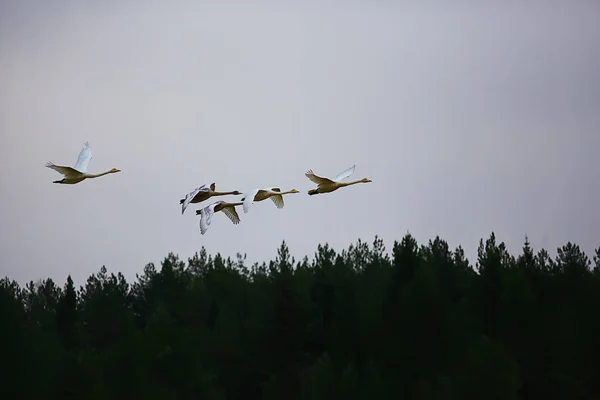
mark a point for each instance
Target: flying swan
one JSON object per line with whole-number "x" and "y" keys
{"x": 207, "y": 213}
{"x": 78, "y": 172}
{"x": 273, "y": 193}
{"x": 202, "y": 193}
{"x": 326, "y": 185}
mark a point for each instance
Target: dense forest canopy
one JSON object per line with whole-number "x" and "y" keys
{"x": 417, "y": 323}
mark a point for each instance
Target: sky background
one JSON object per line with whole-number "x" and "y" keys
{"x": 469, "y": 117}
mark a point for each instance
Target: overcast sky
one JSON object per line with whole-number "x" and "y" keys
{"x": 469, "y": 118}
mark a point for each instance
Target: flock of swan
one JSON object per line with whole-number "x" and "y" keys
{"x": 78, "y": 173}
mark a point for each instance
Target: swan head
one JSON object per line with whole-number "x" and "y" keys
{"x": 366, "y": 180}
{"x": 115, "y": 170}
{"x": 294, "y": 191}
{"x": 235, "y": 192}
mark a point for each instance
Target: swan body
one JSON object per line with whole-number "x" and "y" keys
{"x": 201, "y": 194}
{"x": 78, "y": 172}
{"x": 326, "y": 185}
{"x": 274, "y": 193}
{"x": 207, "y": 213}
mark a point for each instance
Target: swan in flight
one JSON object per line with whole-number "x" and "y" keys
{"x": 273, "y": 193}
{"x": 202, "y": 193}
{"x": 207, "y": 213}
{"x": 78, "y": 172}
{"x": 326, "y": 185}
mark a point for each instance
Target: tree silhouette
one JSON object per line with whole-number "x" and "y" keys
{"x": 418, "y": 323}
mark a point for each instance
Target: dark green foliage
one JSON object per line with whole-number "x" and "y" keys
{"x": 419, "y": 323}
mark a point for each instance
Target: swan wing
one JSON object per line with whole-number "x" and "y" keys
{"x": 85, "y": 155}
{"x": 232, "y": 214}
{"x": 278, "y": 200}
{"x": 249, "y": 199}
{"x": 345, "y": 174}
{"x": 61, "y": 169}
{"x": 206, "y": 218}
{"x": 190, "y": 196}
{"x": 319, "y": 180}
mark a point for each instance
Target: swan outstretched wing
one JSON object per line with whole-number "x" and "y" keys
{"x": 249, "y": 199}
{"x": 206, "y": 218}
{"x": 278, "y": 200}
{"x": 190, "y": 196}
{"x": 232, "y": 214}
{"x": 85, "y": 155}
{"x": 345, "y": 174}
{"x": 317, "y": 179}
{"x": 61, "y": 169}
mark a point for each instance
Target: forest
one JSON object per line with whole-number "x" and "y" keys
{"x": 418, "y": 322}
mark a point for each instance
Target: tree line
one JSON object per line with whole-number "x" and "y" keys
{"x": 419, "y": 322}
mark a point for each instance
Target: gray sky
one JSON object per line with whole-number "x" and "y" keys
{"x": 468, "y": 118}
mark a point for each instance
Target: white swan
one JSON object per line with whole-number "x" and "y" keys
{"x": 78, "y": 172}
{"x": 273, "y": 193}
{"x": 207, "y": 213}
{"x": 326, "y": 185}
